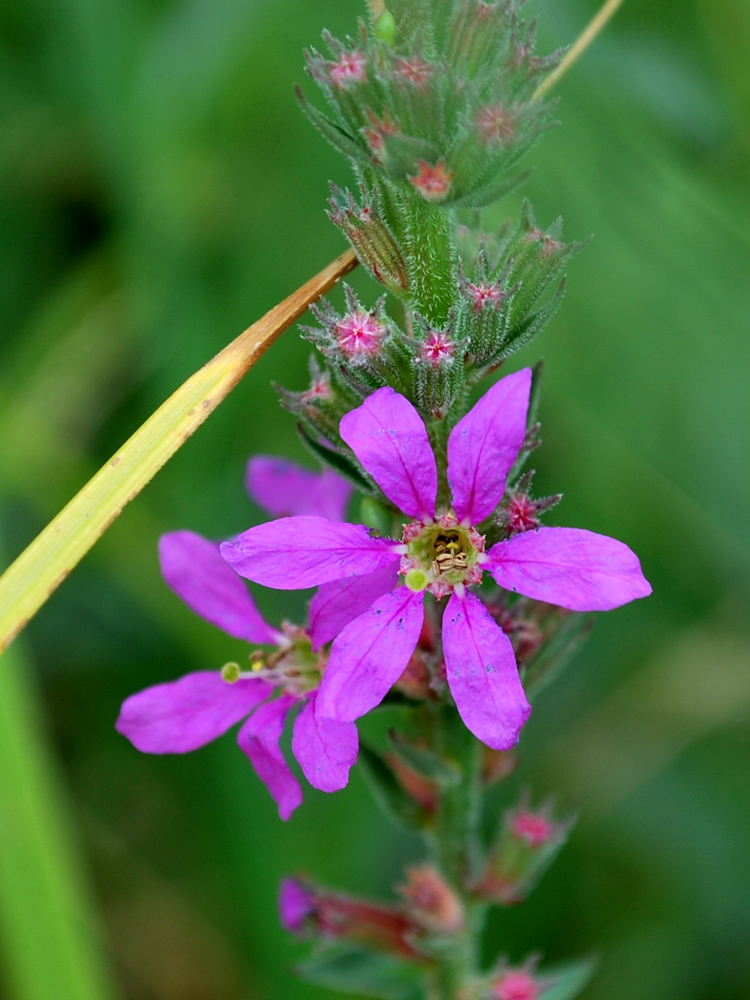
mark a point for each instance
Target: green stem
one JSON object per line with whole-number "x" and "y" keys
{"x": 432, "y": 257}
{"x": 455, "y": 846}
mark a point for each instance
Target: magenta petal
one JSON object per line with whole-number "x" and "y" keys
{"x": 186, "y": 714}
{"x": 370, "y": 655}
{"x": 340, "y": 602}
{"x": 390, "y": 439}
{"x": 284, "y": 488}
{"x": 296, "y": 904}
{"x": 297, "y": 552}
{"x": 259, "y": 739}
{"x": 570, "y": 567}
{"x": 482, "y": 673}
{"x": 325, "y": 749}
{"x": 484, "y": 445}
{"x": 192, "y": 566}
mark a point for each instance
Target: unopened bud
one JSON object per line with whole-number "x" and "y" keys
{"x": 359, "y": 333}
{"x": 437, "y": 348}
{"x": 432, "y": 902}
{"x": 526, "y": 845}
{"x": 432, "y": 182}
{"x": 517, "y": 984}
{"x": 415, "y": 71}
{"x": 385, "y": 27}
{"x": 305, "y": 908}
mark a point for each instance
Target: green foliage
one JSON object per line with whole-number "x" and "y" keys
{"x": 159, "y": 191}
{"x": 351, "y": 970}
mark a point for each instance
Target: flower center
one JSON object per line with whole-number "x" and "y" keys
{"x": 441, "y": 556}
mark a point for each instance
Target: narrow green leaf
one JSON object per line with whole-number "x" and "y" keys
{"x": 352, "y": 970}
{"x": 568, "y": 980}
{"x": 337, "y": 137}
{"x": 48, "y": 933}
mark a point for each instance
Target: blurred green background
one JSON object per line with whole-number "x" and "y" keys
{"x": 159, "y": 190}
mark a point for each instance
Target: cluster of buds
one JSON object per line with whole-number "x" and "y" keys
{"x": 441, "y": 103}
{"x": 525, "y": 846}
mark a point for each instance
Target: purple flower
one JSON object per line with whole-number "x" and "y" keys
{"x": 283, "y": 488}
{"x": 188, "y": 713}
{"x": 377, "y": 621}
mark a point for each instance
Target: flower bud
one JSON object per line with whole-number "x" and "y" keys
{"x": 432, "y": 902}
{"x": 369, "y": 235}
{"x": 517, "y": 984}
{"x": 526, "y": 845}
{"x": 306, "y": 909}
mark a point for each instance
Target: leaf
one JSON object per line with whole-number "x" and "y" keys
{"x": 568, "y": 980}
{"x": 425, "y": 763}
{"x": 491, "y": 192}
{"x": 337, "y": 137}
{"x": 388, "y": 792}
{"x": 352, "y": 970}
{"x": 50, "y": 942}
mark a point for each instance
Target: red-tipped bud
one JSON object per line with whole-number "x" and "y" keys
{"x": 379, "y": 127}
{"x": 496, "y": 125}
{"x": 415, "y": 71}
{"x": 305, "y": 909}
{"x": 437, "y": 348}
{"x": 549, "y": 245}
{"x": 536, "y": 829}
{"x": 485, "y": 295}
{"x": 432, "y": 182}
{"x": 350, "y": 68}
{"x": 527, "y": 843}
{"x": 517, "y": 984}
{"x": 359, "y": 334}
{"x": 320, "y": 389}
{"x": 521, "y": 514}
{"x": 432, "y": 902}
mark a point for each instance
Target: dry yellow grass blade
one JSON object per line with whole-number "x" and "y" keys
{"x": 32, "y": 578}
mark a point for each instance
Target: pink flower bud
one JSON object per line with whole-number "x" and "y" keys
{"x": 437, "y": 348}
{"x": 517, "y": 985}
{"x": 350, "y": 68}
{"x": 432, "y": 182}
{"x": 359, "y": 334}
{"x": 415, "y": 71}
{"x": 432, "y": 902}
{"x": 496, "y": 124}
{"x": 521, "y": 514}
{"x": 485, "y": 295}
{"x": 535, "y": 828}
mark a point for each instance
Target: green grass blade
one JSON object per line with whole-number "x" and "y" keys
{"x": 48, "y": 935}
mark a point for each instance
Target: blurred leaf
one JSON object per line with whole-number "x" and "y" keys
{"x": 49, "y": 934}
{"x": 569, "y": 980}
{"x": 351, "y": 970}
{"x": 388, "y": 791}
{"x": 425, "y": 763}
